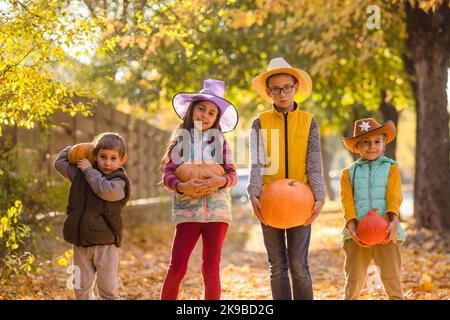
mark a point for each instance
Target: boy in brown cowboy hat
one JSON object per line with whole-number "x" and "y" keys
{"x": 372, "y": 181}
{"x": 299, "y": 158}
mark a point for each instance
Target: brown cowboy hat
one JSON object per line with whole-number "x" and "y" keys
{"x": 367, "y": 127}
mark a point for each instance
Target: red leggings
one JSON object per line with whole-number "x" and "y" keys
{"x": 186, "y": 237}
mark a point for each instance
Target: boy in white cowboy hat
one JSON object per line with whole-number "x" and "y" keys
{"x": 299, "y": 158}
{"x": 372, "y": 181}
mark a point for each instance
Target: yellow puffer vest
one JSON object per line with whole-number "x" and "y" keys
{"x": 287, "y": 158}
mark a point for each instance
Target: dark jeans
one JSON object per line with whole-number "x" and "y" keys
{"x": 294, "y": 257}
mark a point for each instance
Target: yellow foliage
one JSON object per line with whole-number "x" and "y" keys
{"x": 29, "y": 64}
{"x": 426, "y": 283}
{"x": 62, "y": 262}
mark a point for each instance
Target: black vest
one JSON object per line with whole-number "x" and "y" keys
{"x": 91, "y": 220}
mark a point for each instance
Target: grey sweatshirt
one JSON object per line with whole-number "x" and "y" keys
{"x": 108, "y": 190}
{"x": 313, "y": 161}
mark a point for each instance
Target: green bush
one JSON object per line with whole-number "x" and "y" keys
{"x": 28, "y": 197}
{"x": 13, "y": 231}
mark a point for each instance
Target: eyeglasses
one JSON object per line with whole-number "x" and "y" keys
{"x": 277, "y": 91}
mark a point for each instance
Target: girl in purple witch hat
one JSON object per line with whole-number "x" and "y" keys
{"x": 200, "y": 206}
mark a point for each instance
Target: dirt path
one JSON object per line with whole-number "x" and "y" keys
{"x": 244, "y": 266}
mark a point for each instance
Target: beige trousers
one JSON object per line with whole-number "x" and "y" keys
{"x": 99, "y": 265}
{"x": 386, "y": 257}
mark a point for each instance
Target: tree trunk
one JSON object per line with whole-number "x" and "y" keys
{"x": 389, "y": 112}
{"x": 429, "y": 44}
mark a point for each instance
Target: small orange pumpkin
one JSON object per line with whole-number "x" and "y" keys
{"x": 81, "y": 151}
{"x": 188, "y": 171}
{"x": 286, "y": 203}
{"x": 372, "y": 228}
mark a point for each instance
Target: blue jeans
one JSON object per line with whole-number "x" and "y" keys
{"x": 294, "y": 257}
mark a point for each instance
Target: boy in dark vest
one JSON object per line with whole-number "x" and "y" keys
{"x": 295, "y": 155}
{"x": 94, "y": 223}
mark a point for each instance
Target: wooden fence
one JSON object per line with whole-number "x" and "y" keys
{"x": 145, "y": 144}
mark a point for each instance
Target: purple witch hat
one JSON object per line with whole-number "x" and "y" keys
{"x": 213, "y": 91}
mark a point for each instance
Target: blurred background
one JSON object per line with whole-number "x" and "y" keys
{"x": 72, "y": 69}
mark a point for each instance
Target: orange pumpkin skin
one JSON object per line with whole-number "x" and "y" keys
{"x": 188, "y": 171}
{"x": 372, "y": 228}
{"x": 81, "y": 151}
{"x": 286, "y": 203}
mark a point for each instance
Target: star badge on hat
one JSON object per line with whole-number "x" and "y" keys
{"x": 365, "y": 126}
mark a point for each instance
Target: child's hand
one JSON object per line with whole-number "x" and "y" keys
{"x": 351, "y": 227}
{"x": 193, "y": 187}
{"x": 256, "y": 208}
{"x": 84, "y": 164}
{"x": 213, "y": 183}
{"x": 315, "y": 212}
{"x": 392, "y": 230}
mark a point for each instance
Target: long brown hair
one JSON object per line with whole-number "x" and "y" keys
{"x": 188, "y": 124}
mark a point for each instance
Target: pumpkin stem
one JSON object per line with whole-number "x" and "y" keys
{"x": 291, "y": 183}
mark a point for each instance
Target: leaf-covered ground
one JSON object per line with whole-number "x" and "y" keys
{"x": 244, "y": 266}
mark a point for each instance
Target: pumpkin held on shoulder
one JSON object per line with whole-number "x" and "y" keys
{"x": 81, "y": 151}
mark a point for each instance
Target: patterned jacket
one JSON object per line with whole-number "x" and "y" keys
{"x": 212, "y": 207}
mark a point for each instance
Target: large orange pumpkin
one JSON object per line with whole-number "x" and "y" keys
{"x": 286, "y": 203}
{"x": 81, "y": 151}
{"x": 372, "y": 228}
{"x": 188, "y": 171}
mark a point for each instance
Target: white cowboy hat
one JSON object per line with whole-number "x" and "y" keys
{"x": 279, "y": 65}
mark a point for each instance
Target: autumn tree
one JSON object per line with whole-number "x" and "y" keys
{"x": 160, "y": 48}
{"x": 35, "y": 38}
{"x": 429, "y": 50}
